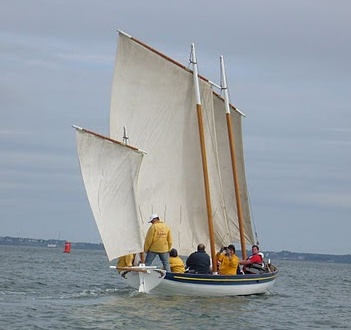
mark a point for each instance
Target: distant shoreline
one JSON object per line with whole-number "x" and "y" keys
{"x": 49, "y": 243}
{"x": 283, "y": 255}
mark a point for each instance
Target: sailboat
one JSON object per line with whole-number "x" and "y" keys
{"x": 174, "y": 148}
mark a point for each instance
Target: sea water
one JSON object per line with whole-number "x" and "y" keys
{"x": 44, "y": 288}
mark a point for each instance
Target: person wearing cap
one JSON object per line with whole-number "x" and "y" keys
{"x": 199, "y": 262}
{"x": 158, "y": 241}
{"x": 229, "y": 262}
{"x": 177, "y": 264}
{"x": 254, "y": 263}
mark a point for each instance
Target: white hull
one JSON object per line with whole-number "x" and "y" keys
{"x": 157, "y": 282}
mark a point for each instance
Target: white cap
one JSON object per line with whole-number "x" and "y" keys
{"x": 153, "y": 216}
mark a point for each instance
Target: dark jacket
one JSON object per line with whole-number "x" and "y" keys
{"x": 199, "y": 262}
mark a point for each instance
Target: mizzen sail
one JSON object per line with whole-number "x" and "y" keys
{"x": 225, "y": 172}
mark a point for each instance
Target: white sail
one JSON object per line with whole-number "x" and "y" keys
{"x": 230, "y": 221}
{"x": 154, "y": 98}
{"x": 109, "y": 172}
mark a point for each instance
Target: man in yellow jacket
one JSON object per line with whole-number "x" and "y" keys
{"x": 176, "y": 263}
{"x": 229, "y": 262}
{"x": 125, "y": 261}
{"x": 158, "y": 241}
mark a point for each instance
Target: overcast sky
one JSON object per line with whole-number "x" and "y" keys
{"x": 288, "y": 67}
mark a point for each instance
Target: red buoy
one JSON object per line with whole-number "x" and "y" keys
{"x": 67, "y": 247}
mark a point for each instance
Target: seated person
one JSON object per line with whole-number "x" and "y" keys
{"x": 199, "y": 262}
{"x": 254, "y": 263}
{"x": 125, "y": 261}
{"x": 177, "y": 264}
{"x": 229, "y": 261}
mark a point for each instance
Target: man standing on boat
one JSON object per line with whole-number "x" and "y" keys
{"x": 158, "y": 241}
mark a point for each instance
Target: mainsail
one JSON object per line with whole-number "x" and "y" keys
{"x": 153, "y": 97}
{"x": 110, "y": 170}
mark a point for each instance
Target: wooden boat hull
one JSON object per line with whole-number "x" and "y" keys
{"x": 158, "y": 282}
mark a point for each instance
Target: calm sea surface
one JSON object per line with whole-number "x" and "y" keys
{"x": 43, "y": 288}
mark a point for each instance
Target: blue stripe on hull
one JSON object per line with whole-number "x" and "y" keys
{"x": 221, "y": 280}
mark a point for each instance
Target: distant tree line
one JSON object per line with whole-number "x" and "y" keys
{"x": 283, "y": 255}
{"x": 51, "y": 243}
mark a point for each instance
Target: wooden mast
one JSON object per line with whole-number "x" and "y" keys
{"x": 233, "y": 159}
{"x": 204, "y": 159}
